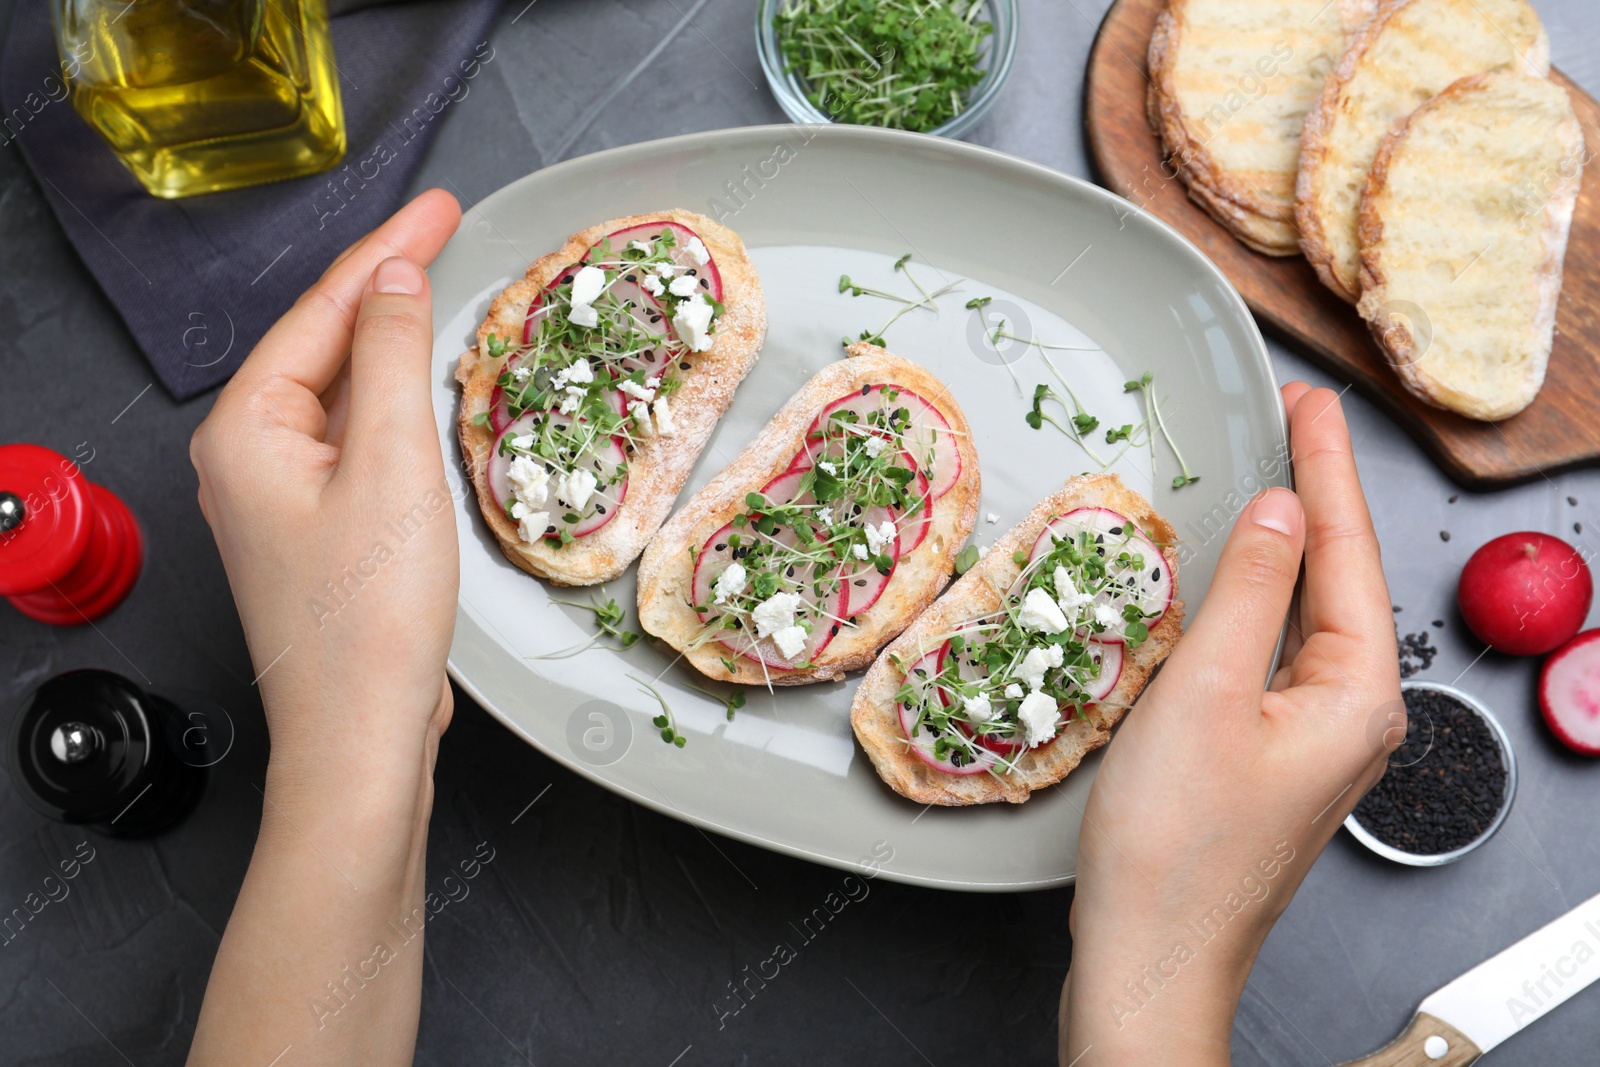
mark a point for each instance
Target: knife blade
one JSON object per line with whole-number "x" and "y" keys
{"x": 1504, "y": 993}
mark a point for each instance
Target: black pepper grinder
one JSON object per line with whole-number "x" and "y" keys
{"x": 91, "y": 747}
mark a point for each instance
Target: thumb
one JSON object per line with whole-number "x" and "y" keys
{"x": 1237, "y": 628}
{"x": 391, "y": 397}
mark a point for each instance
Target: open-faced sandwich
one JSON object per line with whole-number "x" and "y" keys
{"x": 826, "y": 536}
{"x": 1025, "y": 665}
{"x": 597, "y": 379}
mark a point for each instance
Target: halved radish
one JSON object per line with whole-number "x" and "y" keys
{"x": 1150, "y": 588}
{"x": 921, "y": 740}
{"x": 681, "y": 236}
{"x": 601, "y": 459}
{"x": 1569, "y": 693}
{"x": 929, "y": 433}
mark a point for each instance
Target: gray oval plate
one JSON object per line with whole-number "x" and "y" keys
{"x": 1065, "y": 262}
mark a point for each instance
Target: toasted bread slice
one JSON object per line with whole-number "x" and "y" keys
{"x": 979, "y": 593}
{"x": 659, "y": 465}
{"x": 666, "y": 573}
{"x": 1487, "y": 170}
{"x": 1412, "y": 50}
{"x": 1230, "y": 84}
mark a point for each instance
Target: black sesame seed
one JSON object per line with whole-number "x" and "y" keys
{"x": 1438, "y": 624}
{"x": 631, "y": 278}
{"x": 549, "y": 529}
{"x": 1116, "y": 531}
{"x": 1444, "y": 535}
{"x": 704, "y": 284}
{"x": 691, "y": 270}
{"x": 836, "y": 626}
{"x": 1155, "y": 575}
{"x": 1454, "y": 497}
{"x": 865, "y": 389}
{"x": 722, "y": 547}
{"x": 1572, "y": 500}
{"x": 1577, "y": 527}
{"x": 861, "y": 581}
{"x": 1396, "y": 608}
{"x": 683, "y": 366}
{"x": 1444, "y": 784}
{"x": 600, "y": 508}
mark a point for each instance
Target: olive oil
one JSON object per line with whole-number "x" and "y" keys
{"x": 195, "y": 96}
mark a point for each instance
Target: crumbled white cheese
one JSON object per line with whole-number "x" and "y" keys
{"x": 978, "y": 708}
{"x": 641, "y": 415}
{"x": 983, "y": 550}
{"x": 531, "y": 524}
{"x": 791, "y": 640}
{"x": 584, "y": 315}
{"x": 697, "y": 252}
{"x": 859, "y": 551}
{"x": 653, "y": 383}
{"x": 730, "y": 583}
{"x": 530, "y": 482}
{"x": 693, "y": 322}
{"x": 881, "y": 536}
{"x": 521, "y": 374}
{"x": 523, "y": 442}
{"x": 665, "y": 270}
{"x": 1038, "y": 714}
{"x": 663, "y": 414}
{"x": 825, "y": 516}
{"x": 642, "y": 246}
{"x": 775, "y": 613}
{"x": 991, "y": 518}
{"x": 635, "y": 390}
{"x": 684, "y": 285}
{"x": 1106, "y": 615}
{"x": 1013, "y": 691}
{"x": 579, "y": 373}
{"x": 574, "y": 399}
{"x": 1040, "y": 612}
{"x": 575, "y": 489}
{"x": 827, "y": 468}
{"x": 874, "y": 446}
{"x": 587, "y": 286}
{"x": 652, "y": 285}
{"x": 1036, "y": 663}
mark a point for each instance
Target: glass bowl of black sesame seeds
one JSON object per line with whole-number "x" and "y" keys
{"x": 928, "y": 66}
{"x": 1449, "y": 785}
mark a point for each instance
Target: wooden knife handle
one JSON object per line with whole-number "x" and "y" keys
{"x": 1427, "y": 1042}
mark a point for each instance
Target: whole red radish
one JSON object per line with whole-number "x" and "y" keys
{"x": 1525, "y": 593}
{"x": 1569, "y": 693}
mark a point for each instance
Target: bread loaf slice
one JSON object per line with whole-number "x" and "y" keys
{"x": 1230, "y": 84}
{"x": 979, "y": 594}
{"x": 667, "y": 571}
{"x": 1464, "y": 221}
{"x": 658, "y": 465}
{"x": 1412, "y": 50}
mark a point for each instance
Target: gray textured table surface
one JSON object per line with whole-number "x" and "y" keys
{"x": 605, "y": 933}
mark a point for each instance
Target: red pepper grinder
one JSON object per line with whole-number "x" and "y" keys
{"x": 70, "y": 550}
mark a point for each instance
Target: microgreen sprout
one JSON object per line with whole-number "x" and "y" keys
{"x": 968, "y": 558}
{"x": 665, "y": 721}
{"x": 730, "y": 704}
{"x": 1153, "y": 417}
{"x": 978, "y": 301}
{"x": 925, "y": 300}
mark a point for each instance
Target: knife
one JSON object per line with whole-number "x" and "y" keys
{"x": 1499, "y": 996}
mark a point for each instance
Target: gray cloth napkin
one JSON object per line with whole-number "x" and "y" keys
{"x": 199, "y": 280}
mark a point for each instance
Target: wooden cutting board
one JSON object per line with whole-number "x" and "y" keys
{"x": 1559, "y": 430}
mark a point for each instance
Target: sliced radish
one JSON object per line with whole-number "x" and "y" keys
{"x": 1569, "y": 693}
{"x": 921, "y": 740}
{"x": 914, "y": 530}
{"x": 1109, "y": 655}
{"x": 1150, "y": 588}
{"x": 601, "y": 459}
{"x": 928, "y": 434}
{"x": 866, "y": 582}
{"x": 717, "y": 553}
{"x": 681, "y": 236}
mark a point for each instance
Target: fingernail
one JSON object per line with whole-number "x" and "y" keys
{"x": 397, "y": 275}
{"x": 1277, "y": 509}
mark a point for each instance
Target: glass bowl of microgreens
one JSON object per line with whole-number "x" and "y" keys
{"x": 930, "y": 66}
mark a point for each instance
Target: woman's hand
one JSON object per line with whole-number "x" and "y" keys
{"x": 322, "y": 479}
{"x": 1215, "y": 796}
{"x": 323, "y": 482}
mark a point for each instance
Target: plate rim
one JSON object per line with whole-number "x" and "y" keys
{"x": 890, "y": 140}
